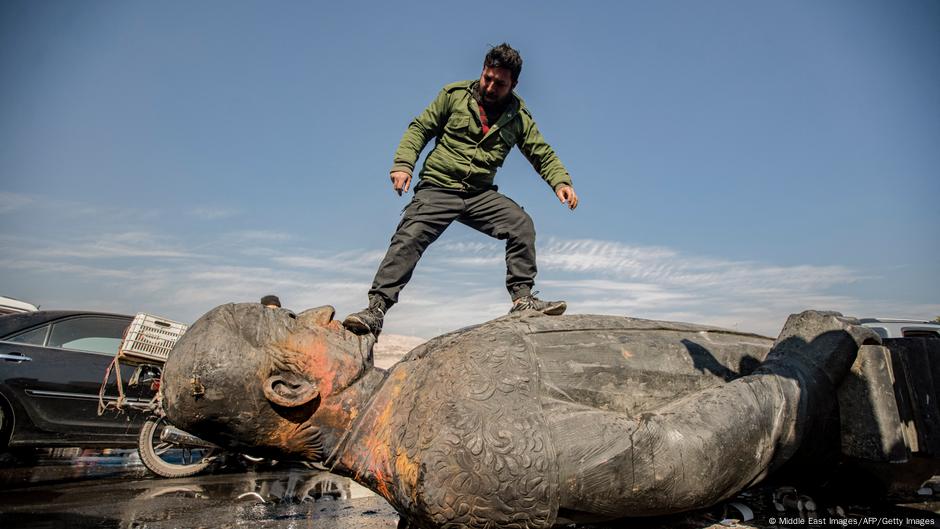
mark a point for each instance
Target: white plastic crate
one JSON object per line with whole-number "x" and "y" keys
{"x": 150, "y": 338}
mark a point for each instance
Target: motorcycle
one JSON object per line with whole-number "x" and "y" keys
{"x": 163, "y": 448}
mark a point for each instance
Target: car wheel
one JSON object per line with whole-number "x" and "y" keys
{"x": 12, "y": 457}
{"x": 6, "y": 424}
{"x": 6, "y": 458}
{"x": 4, "y": 436}
{"x": 167, "y": 459}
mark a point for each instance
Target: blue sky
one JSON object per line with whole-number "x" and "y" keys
{"x": 736, "y": 160}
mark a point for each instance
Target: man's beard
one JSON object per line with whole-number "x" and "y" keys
{"x": 492, "y": 104}
{"x": 492, "y": 99}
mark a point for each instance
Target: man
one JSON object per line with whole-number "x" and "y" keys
{"x": 271, "y": 301}
{"x": 476, "y": 123}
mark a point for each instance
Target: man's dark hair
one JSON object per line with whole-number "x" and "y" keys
{"x": 504, "y": 56}
{"x": 271, "y": 299}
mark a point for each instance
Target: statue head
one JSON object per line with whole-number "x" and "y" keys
{"x": 246, "y": 376}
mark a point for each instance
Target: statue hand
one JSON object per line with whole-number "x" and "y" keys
{"x": 567, "y": 196}
{"x": 401, "y": 181}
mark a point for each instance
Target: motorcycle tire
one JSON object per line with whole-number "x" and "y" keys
{"x": 166, "y": 459}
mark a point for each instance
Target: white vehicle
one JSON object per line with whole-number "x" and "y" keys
{"x": 897, "y": 328}
{"x": 14, "y": 306}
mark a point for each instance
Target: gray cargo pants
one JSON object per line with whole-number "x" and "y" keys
{"x": 430, "y": 213}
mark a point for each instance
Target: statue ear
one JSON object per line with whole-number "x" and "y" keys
{"x": 290, "y": 390}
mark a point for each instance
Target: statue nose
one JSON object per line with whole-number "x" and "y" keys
{"x": 319, "y": 315}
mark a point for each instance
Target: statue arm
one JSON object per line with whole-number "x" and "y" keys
{"x": 725, "y": 436}
{"x": 711, "y": 444}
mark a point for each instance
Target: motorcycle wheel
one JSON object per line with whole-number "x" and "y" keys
{"x": 167, "y": 459}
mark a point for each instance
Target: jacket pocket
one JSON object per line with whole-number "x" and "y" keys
{"x": 508, "y": 136}
{"x": 458, "y": 124}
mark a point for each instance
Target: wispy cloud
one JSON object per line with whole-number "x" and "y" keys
{"x": 71, "y": 269}
{"x": 10, "y": 202}
{"x": 213, "y": 212}
{"x": 260, "y": 236}
{"x": 318, "y": 263}
{"x": 608, "y": 277}
{"x": 118, "y": 245}
{"x": 458, "y": 283}
{"x": 72, "y": 212}
{"x": 658, "y": 265}
{"x": 342, "y": 262}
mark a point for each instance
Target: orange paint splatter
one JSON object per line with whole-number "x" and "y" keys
{"x": 375, "y": 455}
{"x": 408, "y": 473}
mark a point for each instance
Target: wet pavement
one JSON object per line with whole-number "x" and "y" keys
{"x": 115, "y": 491}
{"x": 111, "y": 489}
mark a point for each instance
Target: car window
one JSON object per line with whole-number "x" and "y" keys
{"x": 36, "y": 336}
{"x": 917, "y": 333}
{"x": 100, "y": 335}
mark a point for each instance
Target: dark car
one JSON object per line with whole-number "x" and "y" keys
{"x": 52, "y": 364}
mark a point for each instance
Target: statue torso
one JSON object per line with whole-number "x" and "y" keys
{"x": 501, "y": 421}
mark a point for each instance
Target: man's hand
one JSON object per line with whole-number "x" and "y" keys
{"x": 567, "y": 196}
{"x": 401, "y": 181}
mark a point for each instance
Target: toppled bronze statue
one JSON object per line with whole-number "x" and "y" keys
{"x": 524, "y": 421}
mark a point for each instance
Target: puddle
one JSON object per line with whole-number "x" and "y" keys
{"x": 115, "y": 491}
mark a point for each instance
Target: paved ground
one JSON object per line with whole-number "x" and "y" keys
{"x": 115, "y": 491}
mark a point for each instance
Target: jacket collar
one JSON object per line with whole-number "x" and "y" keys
{"x": 515, "y": 106}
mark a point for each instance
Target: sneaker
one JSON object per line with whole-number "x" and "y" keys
{"x": 367, "y": 320}
{"x": 530, "y": 302}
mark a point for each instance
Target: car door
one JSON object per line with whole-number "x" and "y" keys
{"x": 55, "y": 373}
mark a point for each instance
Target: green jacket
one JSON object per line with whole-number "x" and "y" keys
{"x": 463, "y": 158}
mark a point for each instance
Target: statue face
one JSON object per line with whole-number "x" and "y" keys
{"x": 249, "y": 376}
